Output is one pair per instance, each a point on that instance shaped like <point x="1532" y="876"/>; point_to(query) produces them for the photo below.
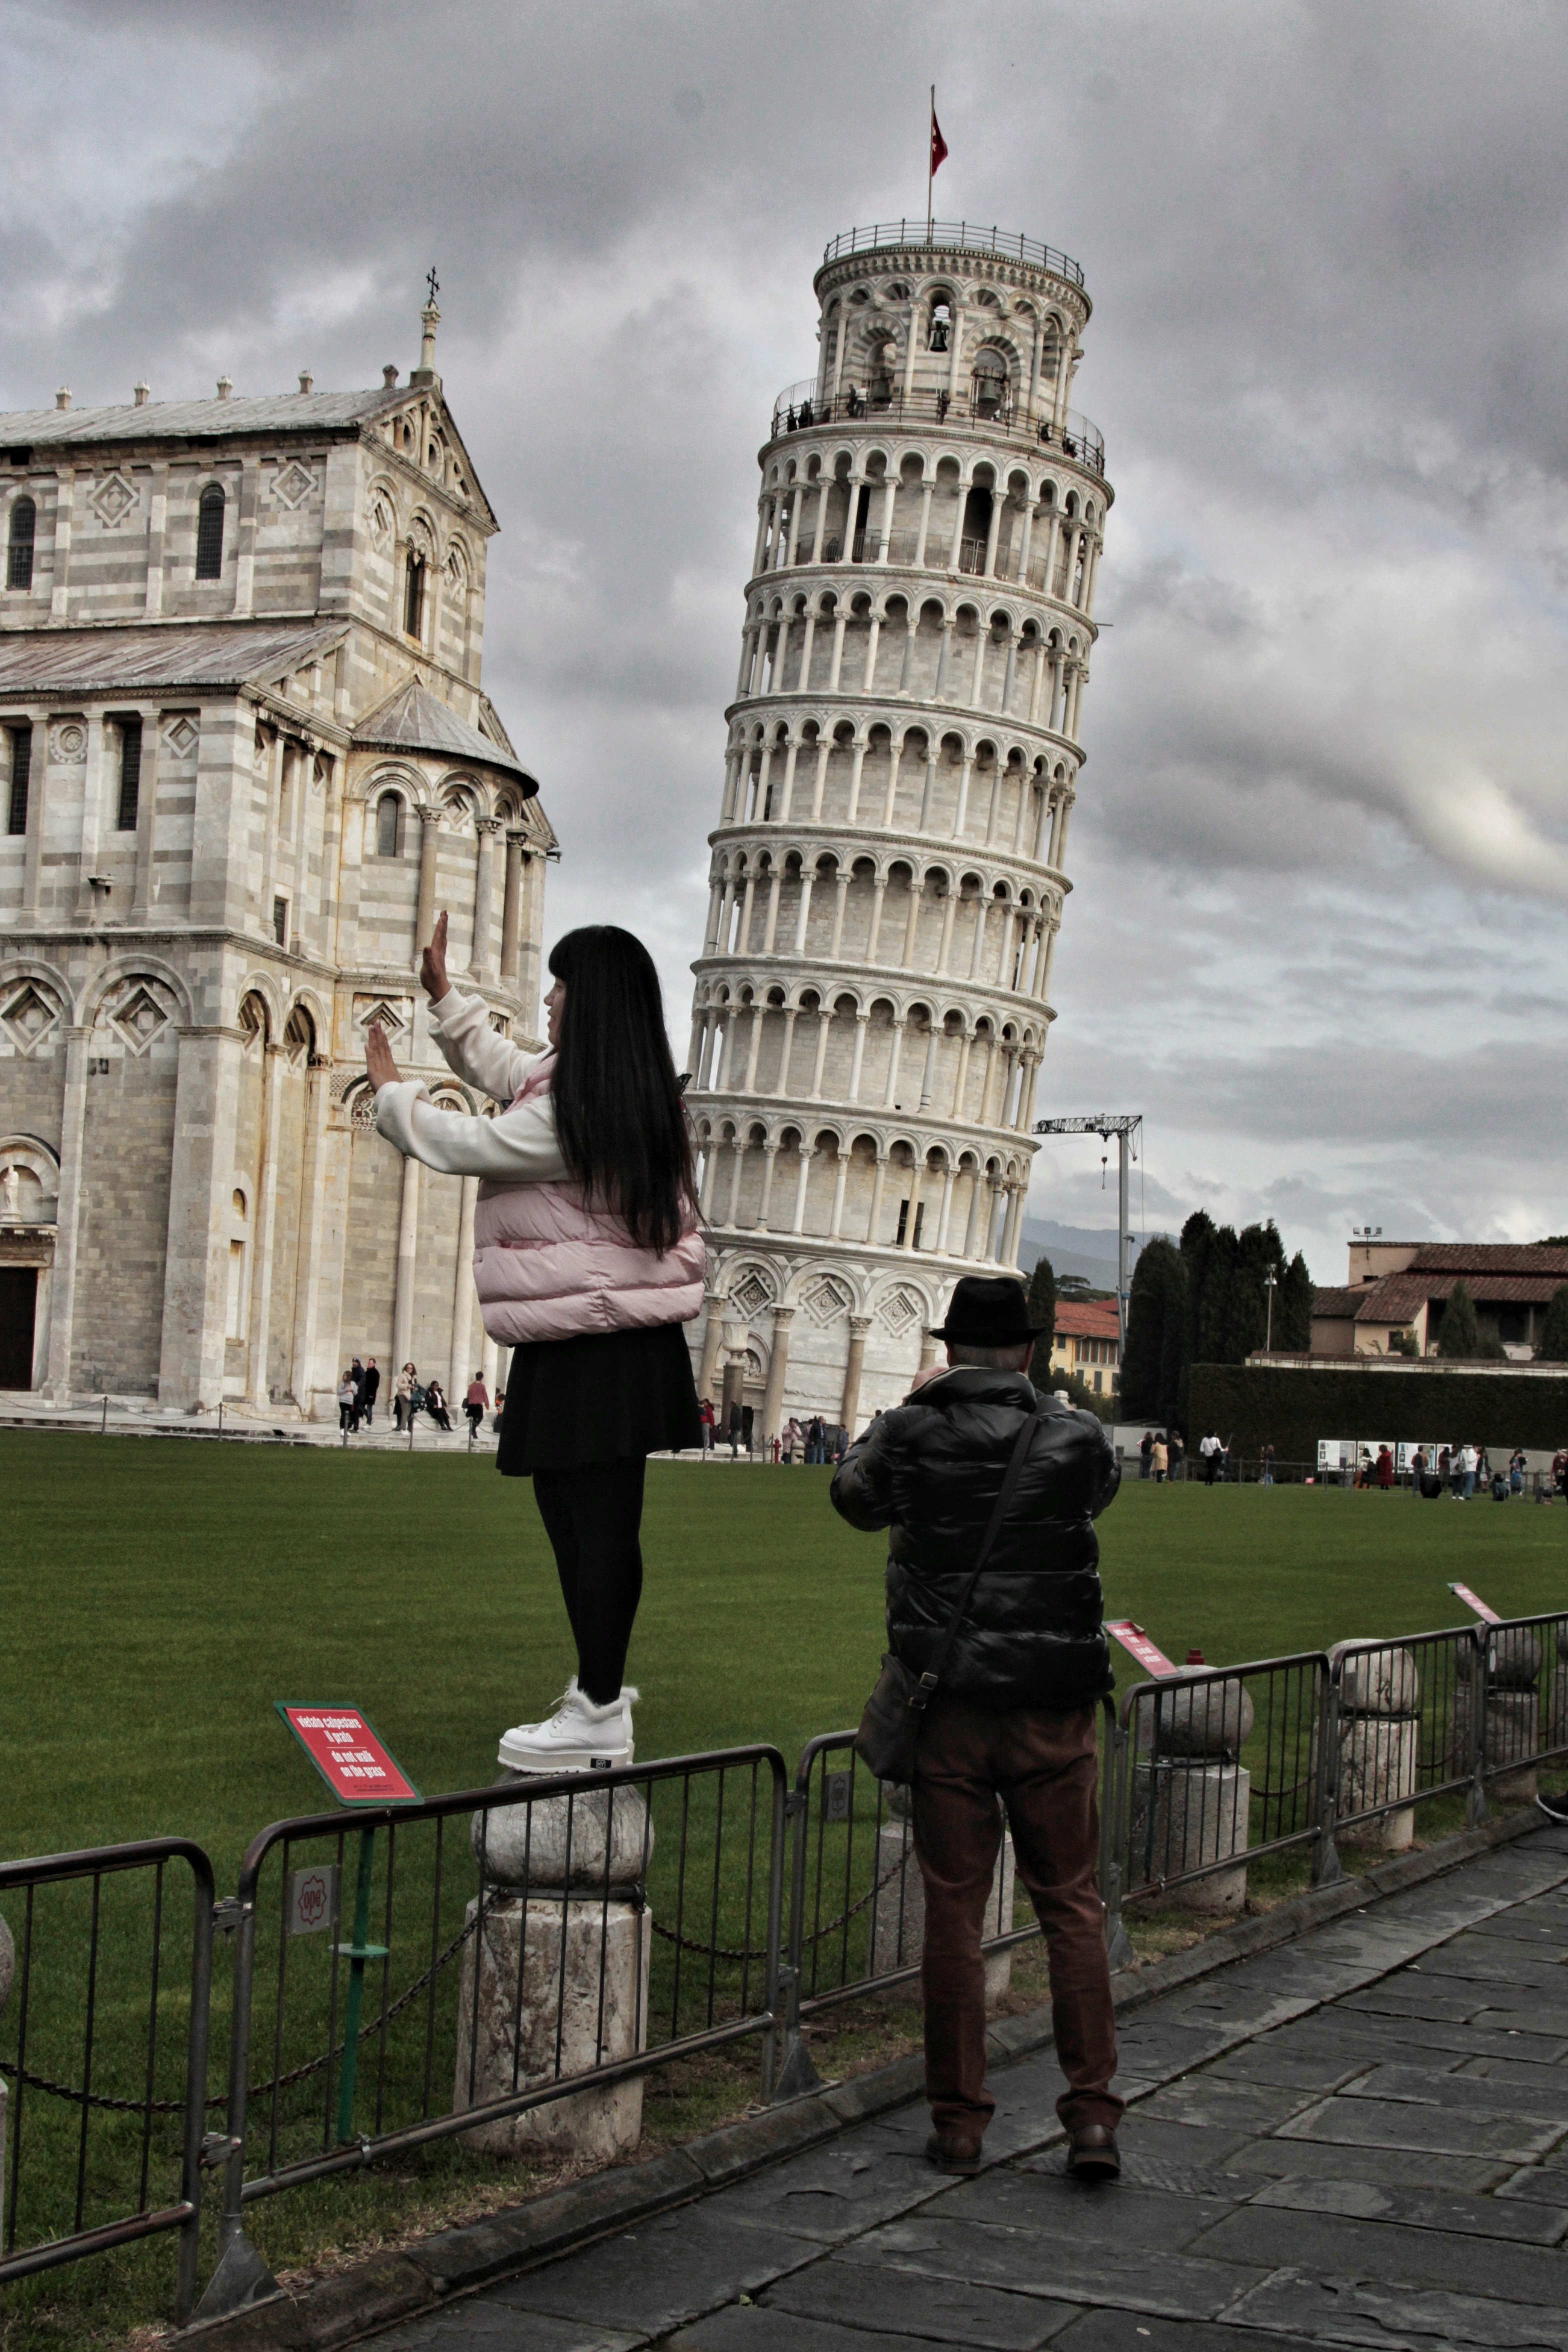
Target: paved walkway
<point x="1359" y="2138"/>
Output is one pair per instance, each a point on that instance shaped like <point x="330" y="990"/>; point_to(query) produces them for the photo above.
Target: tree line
<point x="1205" y="1300"/>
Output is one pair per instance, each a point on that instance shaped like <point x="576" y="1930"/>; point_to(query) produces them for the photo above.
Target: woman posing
<point x="586" y="1261"/>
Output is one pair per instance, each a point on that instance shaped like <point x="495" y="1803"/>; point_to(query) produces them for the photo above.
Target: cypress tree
<point x="1041" y="1296"/>
<point x="1552" y="1346"/>
<point x="1293" y="1308"/>
<point x="1458" y="1338"/>
<point x="1173" y="1355"/>
<point x="1197" y="1240"/>
<point x="1151" y="1299"/>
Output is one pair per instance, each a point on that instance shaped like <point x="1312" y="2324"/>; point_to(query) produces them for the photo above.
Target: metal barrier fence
<point x="395" y="1983"/>
<point x="91" y="1980"/>
<point x="601" y="1931"/>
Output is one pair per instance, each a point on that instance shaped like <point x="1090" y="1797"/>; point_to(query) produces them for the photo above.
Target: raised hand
<point x="383" y="1071"/>
<point x="432" y="964"/>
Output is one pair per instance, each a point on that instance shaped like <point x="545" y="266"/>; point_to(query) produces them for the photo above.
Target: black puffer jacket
<point x="931" y="1470"/>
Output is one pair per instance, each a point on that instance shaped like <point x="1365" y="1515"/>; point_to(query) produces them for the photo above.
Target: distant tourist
<point x="794" y="1440"/>
<point x="1560" y="1471"/>
<point x="1213" y="1456"/>
<point x="1177" y="1453"/>
<point x="499" y="1413"/>
<point x="475" y="1397"/>
<point x="371" y="1389"/>
<point x="1470" y="1461"/>
<point x="977" y="1457"/>
<point x="748" y="1423"/>
<point x="706" y="1416"/>
<point x="436" y="1406"/>
<point x="346" y="1400"/>
<point x="1384" y="1468"/>
<point x="1146" y="1453"/>
<point x="1156" y="1461"/>
<point x="814" y="1438"/>
<point x="1266" y="1468"/>
<point x="402" y="1396"/>
<point x="588" y="1263"/>
<point x="733" y="1431"/>
<point x="1516" y="1471"/>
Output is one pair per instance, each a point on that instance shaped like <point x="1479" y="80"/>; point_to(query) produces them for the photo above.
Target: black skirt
<point x="597" y="1398"/>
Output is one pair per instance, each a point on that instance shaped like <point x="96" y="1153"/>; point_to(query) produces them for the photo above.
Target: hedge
<point x="1293" y="1408"/>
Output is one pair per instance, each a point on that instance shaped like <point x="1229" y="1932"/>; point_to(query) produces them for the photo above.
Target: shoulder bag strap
<point x="932" y="1675"/>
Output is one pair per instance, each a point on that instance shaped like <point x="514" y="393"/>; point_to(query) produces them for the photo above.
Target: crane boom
<point x="1124" y="1126"/>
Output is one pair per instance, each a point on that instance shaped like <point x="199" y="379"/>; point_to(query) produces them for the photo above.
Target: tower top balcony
<point x="953" y="236"/>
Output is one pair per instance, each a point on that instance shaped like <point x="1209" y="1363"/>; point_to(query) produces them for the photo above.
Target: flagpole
<point x="930" y="167"/>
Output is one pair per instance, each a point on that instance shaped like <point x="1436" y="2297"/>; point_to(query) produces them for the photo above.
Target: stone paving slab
<point x="1358" y="2139"/>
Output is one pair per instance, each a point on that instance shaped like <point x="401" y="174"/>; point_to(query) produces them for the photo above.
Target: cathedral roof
<point x="413" y="719"/>
<point x="197" y="655"/>
<point x="184" y="420"/>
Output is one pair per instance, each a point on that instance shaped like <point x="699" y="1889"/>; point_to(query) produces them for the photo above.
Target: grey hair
<point x="991" y="1360"/>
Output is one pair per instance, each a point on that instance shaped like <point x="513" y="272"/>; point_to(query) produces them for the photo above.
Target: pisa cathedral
<point x="889" y="868"/>
<point x="245" y="757"/>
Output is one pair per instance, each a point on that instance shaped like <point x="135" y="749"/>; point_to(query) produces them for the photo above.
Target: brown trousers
<point x="1043" y="1769"/>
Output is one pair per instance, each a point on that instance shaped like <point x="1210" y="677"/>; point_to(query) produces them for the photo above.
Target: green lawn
<point x="157" y="1597"/>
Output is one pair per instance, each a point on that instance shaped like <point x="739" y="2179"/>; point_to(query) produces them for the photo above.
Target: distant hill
<point x="1073" y="1249"/>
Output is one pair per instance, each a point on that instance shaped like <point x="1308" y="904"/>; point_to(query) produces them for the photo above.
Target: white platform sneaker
<point x="577" y="1737"/>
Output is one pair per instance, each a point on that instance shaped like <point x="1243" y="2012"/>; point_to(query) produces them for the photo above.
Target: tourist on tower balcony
<point x="588" y="1261"/>
<point x="989" y="1492"/>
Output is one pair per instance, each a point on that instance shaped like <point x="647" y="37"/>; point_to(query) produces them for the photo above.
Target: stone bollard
<point x="1191" y="1795"/>
<point x="1379" y="1743"/>
<point x="898" y="1910"/>
<point x="555" y="1980"/>
<point x="1512" y="1727"/>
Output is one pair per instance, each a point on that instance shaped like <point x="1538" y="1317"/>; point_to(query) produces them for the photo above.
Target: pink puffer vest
<point x="547" y="1268"/>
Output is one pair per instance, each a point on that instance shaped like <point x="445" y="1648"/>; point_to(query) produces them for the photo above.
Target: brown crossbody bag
<point x="890" y="1728"/>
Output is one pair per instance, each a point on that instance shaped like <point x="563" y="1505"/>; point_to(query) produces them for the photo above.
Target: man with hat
<point x="1013" y="1715"/>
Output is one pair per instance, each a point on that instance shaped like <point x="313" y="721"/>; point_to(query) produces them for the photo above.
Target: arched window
<point x="941" y="323"/>
<point x="19" y="552"/>
<point x="413" y="595"/>
<point x="388" y="825"/>
<point x="991" y="384"/>
<point x="210" y="534"/>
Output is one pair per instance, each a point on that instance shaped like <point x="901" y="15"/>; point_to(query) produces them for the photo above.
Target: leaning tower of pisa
<point x="872" y="997"/>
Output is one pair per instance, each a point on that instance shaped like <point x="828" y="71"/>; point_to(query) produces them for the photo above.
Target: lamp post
<point x="1270" y="1282"/>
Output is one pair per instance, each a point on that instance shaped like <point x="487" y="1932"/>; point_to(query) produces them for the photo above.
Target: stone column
<point x="713" y="1334"/>
<point x="407" y="1251"/>
<point x="463" y="1297"/>
<point x="73" y="1127"/>
<point x="484" y="891"/>
<point x="425" y="914"/>
<point x="849" y="1409"/>
<point x="265" y="1228"/>
<point x="778" y="1365"/>
<point x="314" y="1210"/>
<point x="195" y="1264"/>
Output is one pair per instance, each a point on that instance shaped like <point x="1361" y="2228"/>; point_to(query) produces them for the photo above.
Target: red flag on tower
<point x="938" y="144"/>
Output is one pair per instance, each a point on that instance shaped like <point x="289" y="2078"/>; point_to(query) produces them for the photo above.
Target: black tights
<point x="591" y="1515"/>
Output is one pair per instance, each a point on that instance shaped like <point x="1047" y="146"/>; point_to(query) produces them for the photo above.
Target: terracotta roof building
<point x="1400" y="1288"/>
<point x="1088" y="1341"/>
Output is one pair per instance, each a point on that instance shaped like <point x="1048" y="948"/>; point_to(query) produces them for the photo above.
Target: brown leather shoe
<point x="954" y="2152"/>
<point x="1092" y="2154"/>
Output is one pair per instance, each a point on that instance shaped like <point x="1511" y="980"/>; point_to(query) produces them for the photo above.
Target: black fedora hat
<point x="987" y="1312"/>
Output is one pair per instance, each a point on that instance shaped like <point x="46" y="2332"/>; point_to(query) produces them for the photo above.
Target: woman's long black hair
<point x="619" y="1116"/>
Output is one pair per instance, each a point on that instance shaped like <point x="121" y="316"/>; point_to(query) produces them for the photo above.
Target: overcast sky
<point x="1321" y="844"/>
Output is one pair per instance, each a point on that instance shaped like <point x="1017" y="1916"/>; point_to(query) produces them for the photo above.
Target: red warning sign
<point x="1473" y="1600"/>
<point x="348" y="1755"/>
<point x="1137" y="1645"/>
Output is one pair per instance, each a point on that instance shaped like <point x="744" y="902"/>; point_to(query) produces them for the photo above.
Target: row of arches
<point x="894" y="1051"/>
<point x="898" y="914"/>
<point x="860" y="1187"/>
<point x="431" y="572"/>
<point x="953" y="650"/>
<point x="900" y="778"/>
<point x="895" y="334"/>
<point x="955" y="514"/>
<point x="398" y="798"/>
